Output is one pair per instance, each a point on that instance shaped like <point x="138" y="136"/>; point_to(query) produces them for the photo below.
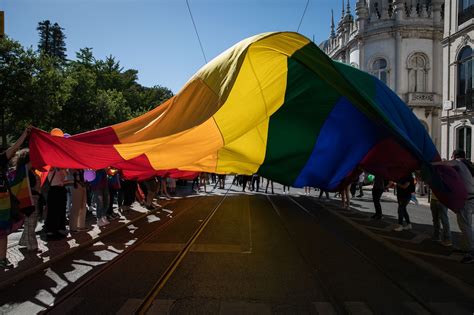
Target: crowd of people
<point x="65" y="197"/>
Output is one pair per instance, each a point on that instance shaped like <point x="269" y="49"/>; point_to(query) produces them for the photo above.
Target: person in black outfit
<point x="405" y="187"/>
<point x="245" y="180"/>
<point x="255" y="180"/>
<point x="129" y="188"/>
<point x="377" y="190"/>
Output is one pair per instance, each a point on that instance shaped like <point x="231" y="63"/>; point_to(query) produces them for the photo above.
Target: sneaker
<point x="447" y="243"/>
<point x="5" y="264"/>
<point x="467" y="259"/>
<point x="102" y="221"/>
<point x="398" y="228"/>
<point x="407" y="226"/>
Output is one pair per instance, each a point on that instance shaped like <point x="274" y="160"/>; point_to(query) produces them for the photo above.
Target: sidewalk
<point x="26" y="262"/>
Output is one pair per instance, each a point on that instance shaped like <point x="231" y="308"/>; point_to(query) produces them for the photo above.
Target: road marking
<point x="324" y="308"/>
<point x="357" y="308"/>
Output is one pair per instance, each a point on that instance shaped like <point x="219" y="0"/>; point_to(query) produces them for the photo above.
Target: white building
<point x="399" y="41"/>
<point x="458" y="42"/>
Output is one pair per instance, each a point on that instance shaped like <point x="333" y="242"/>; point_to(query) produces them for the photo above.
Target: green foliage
<point x="16" y="81"/>
<point x="78" y="95"/>
<point x="52" y="41"/>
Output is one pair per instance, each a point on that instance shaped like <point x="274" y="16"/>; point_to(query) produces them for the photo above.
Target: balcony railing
<point x="465" y="15"/>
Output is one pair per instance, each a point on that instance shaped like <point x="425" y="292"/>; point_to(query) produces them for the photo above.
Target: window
<point x="417" y="72"/>
<point x="380" y="70"/>
<point x="466" y="11"/>
<point x="463" y="140"/>
<point x="465" y="84"/>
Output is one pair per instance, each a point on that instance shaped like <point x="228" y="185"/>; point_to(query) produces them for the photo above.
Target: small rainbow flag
<point x="20" y="187"/>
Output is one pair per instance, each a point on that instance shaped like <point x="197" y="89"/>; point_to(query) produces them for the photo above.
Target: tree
<point x="52" y="40"/>
<point x="40" y="88"/>
<point x="46" y="41"/>
<point x="16" y="71"/>
<point x="85" y="57"/>
<point x="50" y="92"/>
<point x="58" y="48"/>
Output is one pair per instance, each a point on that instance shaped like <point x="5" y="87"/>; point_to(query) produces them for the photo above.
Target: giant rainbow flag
<point x="273" y="104"/>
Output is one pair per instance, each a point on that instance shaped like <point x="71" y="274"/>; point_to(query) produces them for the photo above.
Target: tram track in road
<point x="148" y="300"/>
<point x="432" y="290"/>
<point x="122" y="256"/>
<point x="153" y="293"/>
<point x="331" y="296"/>
<point x="340" y="307"/>
<point x="410" y="255"/>
<point x="91" y="278"/>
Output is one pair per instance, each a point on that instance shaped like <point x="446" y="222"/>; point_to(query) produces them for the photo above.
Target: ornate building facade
<point x="457" y="118"/>
<point x="398" y="41"/>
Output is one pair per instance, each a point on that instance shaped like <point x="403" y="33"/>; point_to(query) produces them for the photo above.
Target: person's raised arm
<point x="11" y="150"/>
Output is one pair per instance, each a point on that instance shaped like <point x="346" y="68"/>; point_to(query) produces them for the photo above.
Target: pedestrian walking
<point x="464" y="216"/>
<point x="255" y="182"/>
<point x="405" y="187"/>
<point x="77" y="215"/>
<point x="100" y="192"/>
<point x="269" y="182"/>
<point x="55" y="223"/>
<point x="378" y="189"/>
<point x="28" y="236"/>
<point x="439" y="213"/>
<point x="321" y="192"/>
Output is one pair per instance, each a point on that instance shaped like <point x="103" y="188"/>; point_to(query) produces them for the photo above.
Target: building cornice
<point x="405" y="31"/>
<point x="457" y="34"/>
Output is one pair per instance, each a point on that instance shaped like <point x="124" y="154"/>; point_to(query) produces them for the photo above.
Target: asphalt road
<point x="259" y="254"/>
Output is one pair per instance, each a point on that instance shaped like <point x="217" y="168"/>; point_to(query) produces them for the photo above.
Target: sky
<point x="157" y="37"/>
